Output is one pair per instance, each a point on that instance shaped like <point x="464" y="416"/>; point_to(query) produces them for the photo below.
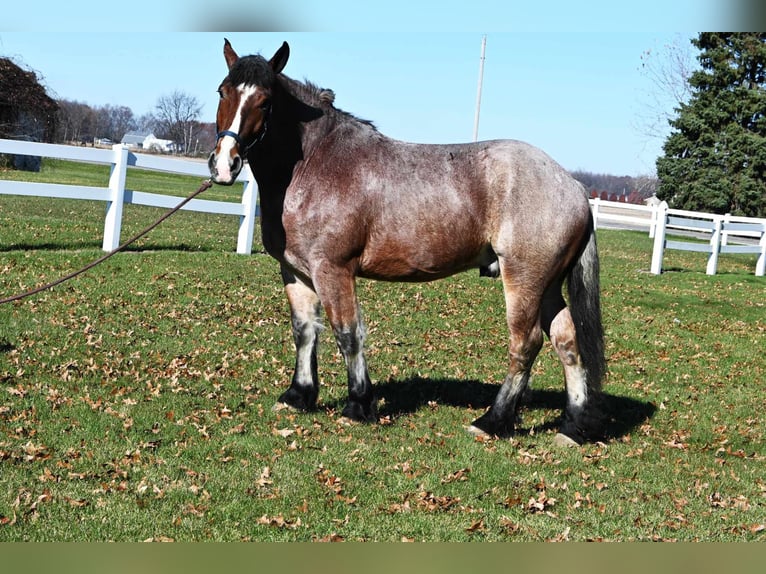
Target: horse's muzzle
<point x="224" y="170"/>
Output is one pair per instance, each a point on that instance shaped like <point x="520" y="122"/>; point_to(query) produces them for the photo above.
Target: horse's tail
<point x="585" y="307"/>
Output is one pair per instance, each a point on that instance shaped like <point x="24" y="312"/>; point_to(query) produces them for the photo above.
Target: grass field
<point x="135" y="401"/>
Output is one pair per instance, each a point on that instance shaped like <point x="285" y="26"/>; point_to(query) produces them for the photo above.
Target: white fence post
<point x="653" y="220"/>
<point x="113" y="221"/>
<point x="247" y="221"/>
<point x="725" y="235"/>
<point x="594" y="210"/>
<point x="715" y="246"/>
<point x="659" y="238"/>
<point x="760" y="266"/>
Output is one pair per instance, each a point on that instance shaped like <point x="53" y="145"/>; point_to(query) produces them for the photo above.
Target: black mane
<point x="252" y="70"/>
<point x="322" y="98"/>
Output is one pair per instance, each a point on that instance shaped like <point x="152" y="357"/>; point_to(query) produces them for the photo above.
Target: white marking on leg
<point x="305" y="351"/>
<point x="356" y="361"/>
<point x="577" y="387"/>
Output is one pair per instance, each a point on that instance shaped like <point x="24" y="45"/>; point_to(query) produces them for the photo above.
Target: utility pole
<point x="478" y="92"/>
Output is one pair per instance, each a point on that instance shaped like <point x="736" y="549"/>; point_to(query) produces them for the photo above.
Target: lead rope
<point x="205" y="185"/>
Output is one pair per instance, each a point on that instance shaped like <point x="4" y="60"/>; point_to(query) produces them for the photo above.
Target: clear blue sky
<point x="553" y="75"/>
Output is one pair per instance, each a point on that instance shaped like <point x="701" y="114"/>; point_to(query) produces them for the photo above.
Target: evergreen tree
<point x="715" y="157"/>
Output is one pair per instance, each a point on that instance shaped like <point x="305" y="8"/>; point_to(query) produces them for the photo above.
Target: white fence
<point x="722" y="233"/>
<point x="116" y="196"/>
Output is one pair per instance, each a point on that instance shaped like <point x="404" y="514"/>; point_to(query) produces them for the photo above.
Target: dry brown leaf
<point x="457" y="476"/>
<point x="477" y="526"/>
<point x="279" y="521"/>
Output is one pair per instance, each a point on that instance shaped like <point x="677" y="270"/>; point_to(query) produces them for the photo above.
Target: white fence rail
<point x="116" y="196"/>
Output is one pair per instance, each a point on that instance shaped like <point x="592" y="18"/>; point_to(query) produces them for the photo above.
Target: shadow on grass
<point x="619" y="415"/>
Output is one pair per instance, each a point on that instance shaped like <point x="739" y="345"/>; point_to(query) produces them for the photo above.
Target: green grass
<point x="135" y="401"/>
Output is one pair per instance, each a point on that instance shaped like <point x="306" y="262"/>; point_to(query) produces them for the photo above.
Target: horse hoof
<point x="563" y="441"/>
<point x="296" y="400"/>
<point x="358" y="413"/>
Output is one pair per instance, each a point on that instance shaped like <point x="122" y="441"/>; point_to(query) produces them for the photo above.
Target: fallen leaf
<point x="279" y="522"/>
<point x="509" y="525"/>
<point x="265" y="479"/>
<point x="160" y="539"/>
<point x="76" y="503"/>
<point x="330" y="538"/>
<point x="540" y="504"/>
<point x="431" y="503"/>
<point x="457" y="476"/>
<point x="477" y="526"/>
<point x="563" y="537"/>
<point x="511" y="501"/>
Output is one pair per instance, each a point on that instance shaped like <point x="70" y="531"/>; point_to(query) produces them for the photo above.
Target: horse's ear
<point x="279" y="60"/>
<point x="229" y="53"/>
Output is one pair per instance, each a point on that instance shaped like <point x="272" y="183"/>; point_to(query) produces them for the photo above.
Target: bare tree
<point x="177" y="117"/>
<point x="75" y="121"/>
<point x="113" y="122"/>
<point x="147" y="123"/>
<point x="668" y="70"/>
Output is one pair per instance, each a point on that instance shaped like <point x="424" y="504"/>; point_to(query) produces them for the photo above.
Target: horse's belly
<point x="399" y="263"/>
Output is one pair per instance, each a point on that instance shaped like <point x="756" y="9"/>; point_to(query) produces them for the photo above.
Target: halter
<point x="258" y="137"/>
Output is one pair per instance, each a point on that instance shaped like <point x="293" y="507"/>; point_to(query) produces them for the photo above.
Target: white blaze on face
<point x="227" y="143"/>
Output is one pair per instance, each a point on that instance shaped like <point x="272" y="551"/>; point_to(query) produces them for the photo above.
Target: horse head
<point x="243" y="109"/>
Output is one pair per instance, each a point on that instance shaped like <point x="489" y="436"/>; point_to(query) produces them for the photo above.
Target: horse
<point x="340" y="200"/>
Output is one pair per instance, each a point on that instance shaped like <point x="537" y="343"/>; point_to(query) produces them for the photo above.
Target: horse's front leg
<point x="337" y="290"/>
<point x="304" y="311"/>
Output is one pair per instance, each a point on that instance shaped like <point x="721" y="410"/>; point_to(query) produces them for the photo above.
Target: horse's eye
<point x="220" y="93"/>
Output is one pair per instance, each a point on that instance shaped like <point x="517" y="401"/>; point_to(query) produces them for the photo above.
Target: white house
<point x="147" y="141"/>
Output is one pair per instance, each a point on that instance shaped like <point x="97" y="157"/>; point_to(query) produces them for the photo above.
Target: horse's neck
<point x="275" y="164"/>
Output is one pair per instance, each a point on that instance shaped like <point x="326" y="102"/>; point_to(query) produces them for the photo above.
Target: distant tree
<point x="26" y="109"/>
<point x="177" y="118"/>
<point x="76" y="122"/>
<point x="715" y="157"/>
<point x="644" y="186"/>
<point x="207" y="138"/>
<point x="147" y="123"/>
<point x="113" y="122"/>
<point x="635" y="188"/>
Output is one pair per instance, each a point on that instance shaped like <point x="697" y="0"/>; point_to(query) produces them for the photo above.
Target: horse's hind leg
<point x="525" y="340"/>
<point x="578" y="423"/>
<point x="304" y="311"/>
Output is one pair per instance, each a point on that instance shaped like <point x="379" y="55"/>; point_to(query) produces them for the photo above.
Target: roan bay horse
<point x="339" y="200"/>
